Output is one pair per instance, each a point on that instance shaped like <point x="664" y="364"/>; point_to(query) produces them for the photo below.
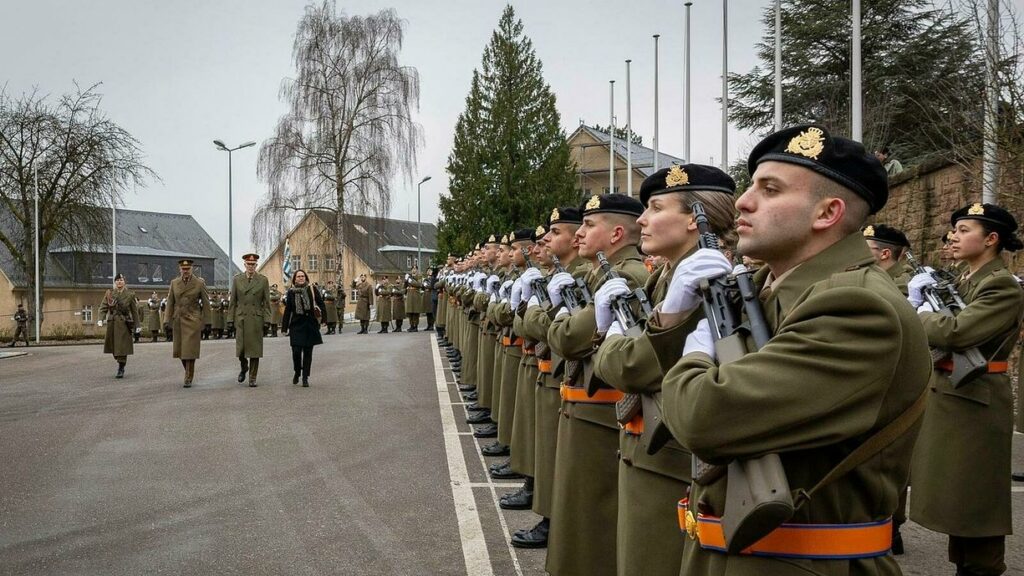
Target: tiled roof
<point x="366" y="235"/>
<point x="643" y="157"/>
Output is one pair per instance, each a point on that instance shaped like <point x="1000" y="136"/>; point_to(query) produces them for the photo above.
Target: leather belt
<point x="544" y="366"/>
<point x="529" y="351"/>
<point x="579" y="395"/>
<point x="510" y="341"/>
<point x="993" y="367"/>
<point x="809" y="541"/>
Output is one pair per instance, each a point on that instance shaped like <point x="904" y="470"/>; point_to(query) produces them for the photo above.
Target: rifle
<point x="758" y="497"/>
<point x="573" y="300"/>
<point x="621" y="305"/>
<point x="945" y="299"/>
<point x="540" y="285"/>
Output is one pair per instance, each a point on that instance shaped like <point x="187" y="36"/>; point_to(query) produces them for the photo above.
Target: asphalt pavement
<point x="371" y="470"/>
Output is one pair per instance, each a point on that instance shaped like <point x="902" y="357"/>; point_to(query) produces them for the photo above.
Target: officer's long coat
<point x="153" y="316"/>
<point x="364" y="298"/>
<point x="847" y="356"/>
<point x="961" y="468"/>
<point x="585" y="498"/>
<point x="249" y="309"/>
<point x="119" y="309"/>
<point x="184" y="300"/>
<point x="330" y="308"/>
<point x="384" y="303"/>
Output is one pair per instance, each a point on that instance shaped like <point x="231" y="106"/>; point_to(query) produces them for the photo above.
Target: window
<point x="158" y="273"/>
<point x="296" y="263"/>
<point x="87" y="315"/>
<point x="604" y="190"/>
<point x="408" y="261"/>
<point x="313" y="261"/>
<point x="329" y="263"/>
<point x="197" y="271"/>
<point x="142" y="269"/>
<point x="101" y="270"/>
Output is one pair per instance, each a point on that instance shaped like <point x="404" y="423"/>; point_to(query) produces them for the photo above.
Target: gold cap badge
<point x="539" y="231"/>
<point x="809" y="143"/>
<point x="594" y="203"/>
<point x="869" y="232"/>
<point x="504" y="239"/>
<point x="976" y="210"/>
<point x="554" y="214"/>
<point x="676" y="177"/>
<point x="492" y="239"/>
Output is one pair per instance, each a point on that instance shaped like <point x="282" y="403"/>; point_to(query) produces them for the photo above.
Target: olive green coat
<point x="383" y="292"/>
<point x="249" y="309"/>
<point x="901" y="274"/>
<point x="121" y="316"/>
<point x="848" y="355"/>
<point x="470" y="337"/>
<point x="507" y="372"/>
<point x="441" y="314"/>
<point x="276" y="310"/>
<point x="961" y="466"/>
<point x="364" y="298"/>
<point x="330" y="306"/>
<point x="582" y="539"/>
<point x="153" y="323"/>
<point x="413" y="294"/>
<point x="184" y="303"/>
<point x="649" y="485"/>
<point x="217" y="307"/>
<point x="485" y="352"/>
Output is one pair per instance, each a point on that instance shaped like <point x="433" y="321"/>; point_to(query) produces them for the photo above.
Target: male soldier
<point x="650" y="484"/>
<point x="484" y="282"/>
<point x="21" y="318"/>
<point x="397" y="304"/>
<point x="330" y="305"/>
<point x="249" y="310"/>
<point x="413" y="298"/>
<point x="442" y="288"/>
<point x="557" y="240"/>
<point x="429" y="297"/>
<point x="217" y="306"/>
<point x="843" y="366"/>
<point x="887" y="245"/>
<point x="339" y="307"/>
<point x="168" y="335"/>
<point x="498" y="346"/>
<point x="364" y="299"/>
<point x="208" y="319"/>
<point x="185" y="300"/>
<point x="275" y="310"/>
<point x="582" y="539"/>
<point x="383" y="292"/>
<point x="153" y="316"/>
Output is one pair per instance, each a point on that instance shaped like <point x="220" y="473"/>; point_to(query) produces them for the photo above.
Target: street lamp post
<point x="35" y="173"/>
<point x="419" y="235"/>
<point x="220" y="146"/>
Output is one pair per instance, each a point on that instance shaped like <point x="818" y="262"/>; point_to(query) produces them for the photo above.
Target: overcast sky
<point x="180" y="74"/>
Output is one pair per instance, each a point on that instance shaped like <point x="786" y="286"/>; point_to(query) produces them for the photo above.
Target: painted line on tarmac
<point x="474" y="546"/>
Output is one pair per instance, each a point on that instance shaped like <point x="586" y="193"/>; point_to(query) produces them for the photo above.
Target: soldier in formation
<point x="121" y="315"/>
<point x="186" y="299"/>
<point x="153" y="316"/>
<point x="275" y="311"/>
<point x="364" y="299"/>
<point x="218" y="307"/>
<point x="383" y="293"/>
<point x="640" y="409"/>
<point x="397" y="303"/>
<point x="330" y="307"/>
<point x="414" y="292"/>
<point x="249" y="311"/>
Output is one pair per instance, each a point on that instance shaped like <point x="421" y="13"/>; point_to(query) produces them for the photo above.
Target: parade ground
<point x="371" y="471"/>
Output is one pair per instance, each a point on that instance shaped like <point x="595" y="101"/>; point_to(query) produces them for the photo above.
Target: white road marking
<point x="474" y="547"/>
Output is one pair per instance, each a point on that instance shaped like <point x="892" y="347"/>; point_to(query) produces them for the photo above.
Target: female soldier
<point x="648" y="541"/>
<point x="302" y="312"/>
<point x="122" y="316"/>
<point x="966" y="435"/>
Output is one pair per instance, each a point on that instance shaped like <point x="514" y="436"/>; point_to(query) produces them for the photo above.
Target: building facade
<point x="588" y="148"/>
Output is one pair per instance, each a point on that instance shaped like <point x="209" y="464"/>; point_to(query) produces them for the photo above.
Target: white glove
<point x="492" y="281"/>
<point x="701" y="340"/>
<point x="603" y="302"/>
<point x="614" y="329"/>
<point x="555" y="285"/>
<point x="517" y="293"/>
<point x="534" y="301"/>
<point x="684" y="290"/>
<point x="916" y="287"/>
<point x="926" y="307"/>
<point x="527" y="280"/>
<point x="504" y="290"/>
<point x="493" y="298"/>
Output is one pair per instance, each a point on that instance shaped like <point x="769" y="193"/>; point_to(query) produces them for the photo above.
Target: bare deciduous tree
<point x="83" y="159"/>
<point x="349" y="129"/>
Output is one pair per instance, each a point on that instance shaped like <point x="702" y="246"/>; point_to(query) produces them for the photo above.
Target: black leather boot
<point x="244" y="369"/>
<point x="120" y="370"/>
<point x="536" y="537"/>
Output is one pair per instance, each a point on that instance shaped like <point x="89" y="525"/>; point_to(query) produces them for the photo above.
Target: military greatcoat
<point x="847" y="356"/>
<point x="153" y="323"/>
<point x="122" y="317"/>
<point x="961" y="468"/>
<point x="397" y="302"/>
<point x="330" y="309"/>
<point x="249" y="309"/>
<point x="364" y="298"/>
<point x="384" y="302"/>
<point x="583" y="519"/>
<point x="184" y="312"/>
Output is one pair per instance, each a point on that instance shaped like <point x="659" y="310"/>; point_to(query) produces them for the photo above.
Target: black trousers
<point x="302" y="359"/>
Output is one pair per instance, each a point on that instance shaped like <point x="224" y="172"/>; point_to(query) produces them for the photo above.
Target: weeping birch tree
<point x="348" y="132"/>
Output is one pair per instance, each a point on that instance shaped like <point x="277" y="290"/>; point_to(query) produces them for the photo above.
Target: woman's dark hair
<point x="118" y="277"/>
<point x="1007" y="240"/>
<point x="294" y="274"/>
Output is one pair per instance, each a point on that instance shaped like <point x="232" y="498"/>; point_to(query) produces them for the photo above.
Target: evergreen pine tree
<point x="510" y="164"/>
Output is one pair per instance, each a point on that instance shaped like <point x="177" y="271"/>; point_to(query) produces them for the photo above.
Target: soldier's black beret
<point x="839" y="159"/>
<point x="886" y="234"/>
<point x="565" y="215"/>
<point x="539" y="232"/>
<point x="612" y="204"/>
<point x="944" y="239"/>
<point x="492" y="239"/>
<point x="996" y="217"/>
<point x="119" y="276"/>
<point x="521" y="235"/>
<point x="695" y="177"/>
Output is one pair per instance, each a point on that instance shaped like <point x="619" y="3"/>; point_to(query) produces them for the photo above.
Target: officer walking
<point x="21" y="331"/>
<point x="249" y="310"/>
<point x="121" y="317"/>
<point x="185" y="300"/>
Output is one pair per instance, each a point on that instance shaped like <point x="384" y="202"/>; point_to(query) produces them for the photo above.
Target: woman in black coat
<point x="303" y="308"/>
